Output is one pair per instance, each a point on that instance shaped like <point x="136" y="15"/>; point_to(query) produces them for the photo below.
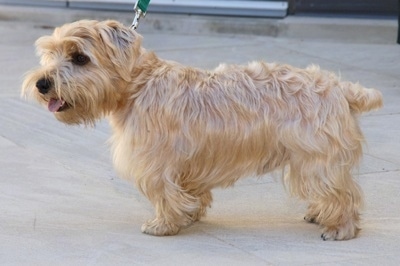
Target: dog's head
<point x="83" y="66"/>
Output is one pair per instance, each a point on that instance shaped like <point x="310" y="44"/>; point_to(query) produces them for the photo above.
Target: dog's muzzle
<point x="54" y="105"/>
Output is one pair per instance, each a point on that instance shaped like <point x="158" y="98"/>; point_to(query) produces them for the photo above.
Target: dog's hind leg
<point x="338" y="207"/>
<point x="335" y="198"/>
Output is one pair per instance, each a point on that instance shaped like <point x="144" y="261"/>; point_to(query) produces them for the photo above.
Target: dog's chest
<point x="123" y="149"/>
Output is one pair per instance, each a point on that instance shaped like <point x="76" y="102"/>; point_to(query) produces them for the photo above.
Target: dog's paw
<point x="329" y="235"/>
<point x="160" y="227"/>
<point x="345" y="232"/>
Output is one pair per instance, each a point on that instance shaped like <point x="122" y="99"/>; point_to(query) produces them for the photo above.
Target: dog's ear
<point x="120" y="44"/>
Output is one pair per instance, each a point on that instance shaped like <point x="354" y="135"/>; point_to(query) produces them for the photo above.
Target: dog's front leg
<point x="174" y="207"/>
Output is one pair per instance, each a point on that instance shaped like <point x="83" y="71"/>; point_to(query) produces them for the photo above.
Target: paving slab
<point x="61" y="202"/>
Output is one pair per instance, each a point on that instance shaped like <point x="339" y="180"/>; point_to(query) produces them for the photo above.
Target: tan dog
<point x="179" y="132"/>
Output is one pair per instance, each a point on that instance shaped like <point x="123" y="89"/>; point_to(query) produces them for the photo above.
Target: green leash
<point x="140" y="9"/>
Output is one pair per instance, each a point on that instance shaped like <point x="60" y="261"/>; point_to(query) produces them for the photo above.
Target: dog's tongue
<point x="54" y="105"/>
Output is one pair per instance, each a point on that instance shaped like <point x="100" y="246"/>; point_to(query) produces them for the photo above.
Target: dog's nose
<point x="43" y="85"/>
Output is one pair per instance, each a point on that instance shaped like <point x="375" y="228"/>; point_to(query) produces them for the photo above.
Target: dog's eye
<point x="80" y="59"/>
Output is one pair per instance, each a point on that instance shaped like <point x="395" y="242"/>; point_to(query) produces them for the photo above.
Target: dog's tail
<point x="361" y="99"/>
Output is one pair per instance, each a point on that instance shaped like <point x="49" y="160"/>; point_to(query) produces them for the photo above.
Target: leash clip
<point x="138" y="14"/>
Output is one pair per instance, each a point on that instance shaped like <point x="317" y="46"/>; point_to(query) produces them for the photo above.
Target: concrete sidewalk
<point x="61" y="202"/>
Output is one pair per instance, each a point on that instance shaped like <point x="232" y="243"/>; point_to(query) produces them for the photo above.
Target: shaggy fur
<point x="179" y="131"/>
